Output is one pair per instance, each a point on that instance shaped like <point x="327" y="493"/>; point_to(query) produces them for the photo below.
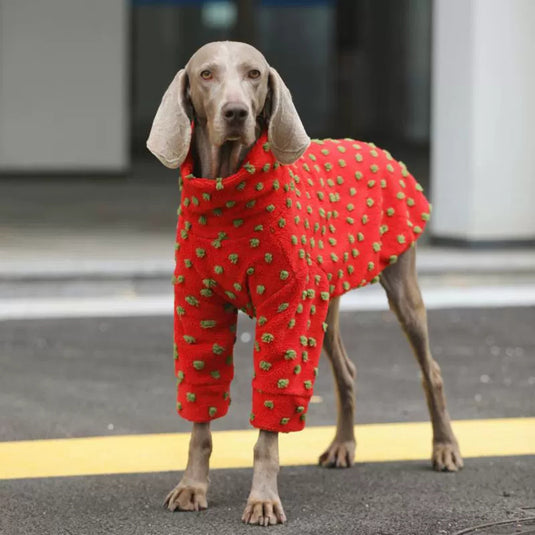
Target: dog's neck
<point x="211" y="161"/>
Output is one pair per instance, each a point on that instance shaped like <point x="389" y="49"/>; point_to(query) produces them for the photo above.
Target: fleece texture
<point x="278" y="242"/>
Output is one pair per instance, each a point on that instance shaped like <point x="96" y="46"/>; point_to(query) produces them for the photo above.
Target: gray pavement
<point x="370" y="499"/>
<point x="105" y="376"/>
<point x="78" y="377"/>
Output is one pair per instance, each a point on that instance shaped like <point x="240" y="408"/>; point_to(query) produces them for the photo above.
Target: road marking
<point x="234" y="449"/>
<point x="369" y="298"/>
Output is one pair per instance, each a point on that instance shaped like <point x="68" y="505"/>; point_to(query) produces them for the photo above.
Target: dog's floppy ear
<point x="170" y="135"/>
<point x="286" y="133"/>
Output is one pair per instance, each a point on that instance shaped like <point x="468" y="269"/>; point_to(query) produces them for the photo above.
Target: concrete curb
<point x="431" y="261"/>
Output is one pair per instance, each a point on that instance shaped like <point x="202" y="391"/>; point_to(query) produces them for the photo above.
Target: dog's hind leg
<point x="190" y="493"/>
<point x="401" y="285"/>
<point x="341" y="451"/>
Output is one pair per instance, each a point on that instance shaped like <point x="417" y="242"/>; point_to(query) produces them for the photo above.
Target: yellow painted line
<point x="234" y="449"/>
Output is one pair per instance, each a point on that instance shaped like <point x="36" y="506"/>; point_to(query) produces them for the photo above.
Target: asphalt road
<point x="86" y="377"/>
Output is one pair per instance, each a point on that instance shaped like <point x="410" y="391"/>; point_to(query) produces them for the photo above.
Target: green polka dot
<point x="283" y="383"/>
<point x="400" y="195"/>
<point x="217" y="349"/>
<point x="254" y="242"/>
<point x="191" y="397"/>
<point x="284" y="421"/>
<point x="208" y="324"/>
<point x="401" y="238"/>
<point x="191" y="300"/>
<point x="290" y="354"/>
<point x="215" y="374"/>
<point x="212" y="411"/>
<point x="308" y="385"/>
<point x="282" y="307"/>
<point x="264" y="365"/>
<point x="198" y="364"/>
<point x="268" y="404"/>
<point x="267" y="338"/>
<point x="284" y="275"/>
<point x="237" y="222"/>
<point x="260" y="289"/>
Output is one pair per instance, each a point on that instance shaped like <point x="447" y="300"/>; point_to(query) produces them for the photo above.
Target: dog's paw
<point x="264" y="512"/>
<point x="186" y="497"/>
<point x="338" y="455"/>
<point x="447" y="457"/>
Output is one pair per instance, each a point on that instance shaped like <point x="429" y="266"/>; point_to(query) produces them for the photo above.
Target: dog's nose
<point x="234" y="113"/>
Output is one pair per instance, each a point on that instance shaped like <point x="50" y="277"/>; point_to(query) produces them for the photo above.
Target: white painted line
<point x="374" y="298"/>
<point x="112" y="306"/>
<point x="369" y="298"/>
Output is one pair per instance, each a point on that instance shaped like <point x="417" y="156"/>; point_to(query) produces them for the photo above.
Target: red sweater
<point x="278" y="242"/>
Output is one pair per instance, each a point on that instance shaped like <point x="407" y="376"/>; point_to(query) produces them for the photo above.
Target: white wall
<point x="483" y="119"/>
<point x="64" y="85"/>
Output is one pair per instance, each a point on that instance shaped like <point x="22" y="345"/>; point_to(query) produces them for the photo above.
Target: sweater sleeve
<point x="289" y="335"/>
<point x="205" y="332"/>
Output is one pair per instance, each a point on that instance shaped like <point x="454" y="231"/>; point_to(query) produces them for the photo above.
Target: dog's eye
<point x="254" y="74"/>
<point x="206" y="75"/>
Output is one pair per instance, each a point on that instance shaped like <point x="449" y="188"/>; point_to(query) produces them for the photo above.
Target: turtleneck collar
<point x="215" y="201"/>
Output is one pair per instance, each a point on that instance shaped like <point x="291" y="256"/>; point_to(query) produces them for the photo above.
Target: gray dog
<point x="235" y="101"/>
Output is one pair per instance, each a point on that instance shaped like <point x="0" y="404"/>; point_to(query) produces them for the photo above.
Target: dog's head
<point x="231" y="88"/>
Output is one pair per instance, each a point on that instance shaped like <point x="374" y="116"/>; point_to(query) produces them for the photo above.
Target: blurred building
<point x="80" y="82"/>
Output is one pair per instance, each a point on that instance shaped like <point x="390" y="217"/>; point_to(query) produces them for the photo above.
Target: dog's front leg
<point x="264" y="506"/>
<point x="190" y="493"/>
